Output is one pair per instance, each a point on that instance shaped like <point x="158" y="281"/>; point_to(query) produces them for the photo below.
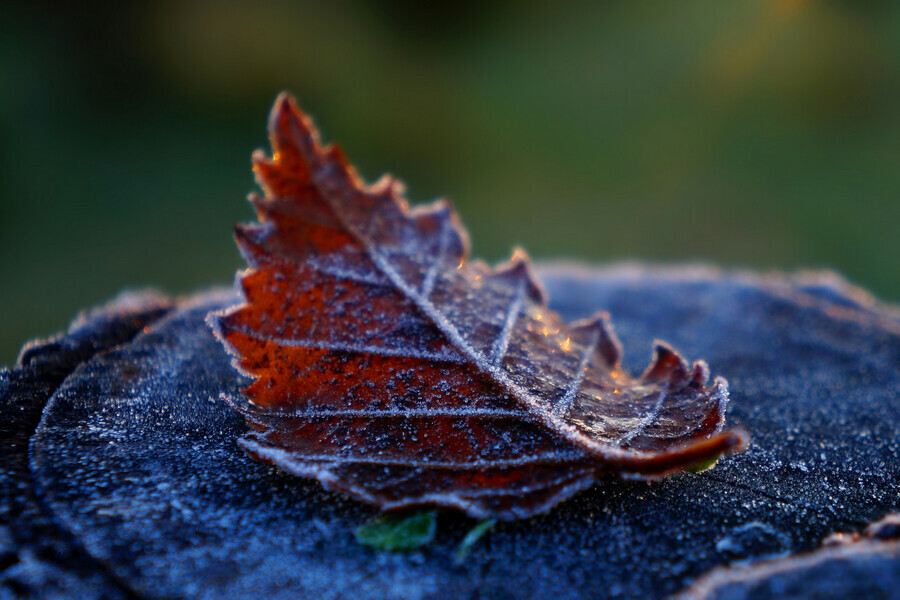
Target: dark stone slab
<point x="36" y="557"/>
<point x="136" y="458"/>
<point x="853" y="568"/>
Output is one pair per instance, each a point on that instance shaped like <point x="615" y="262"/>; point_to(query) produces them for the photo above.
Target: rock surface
<point x="844" y="568"/>
<point x="134" y="478"/>
<point x="37" y="558"/>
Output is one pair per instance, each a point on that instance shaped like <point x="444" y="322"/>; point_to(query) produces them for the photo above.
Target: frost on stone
<point x="391" y="367"/>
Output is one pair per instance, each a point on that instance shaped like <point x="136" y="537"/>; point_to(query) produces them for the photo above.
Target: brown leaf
<point x="391" y="367"/>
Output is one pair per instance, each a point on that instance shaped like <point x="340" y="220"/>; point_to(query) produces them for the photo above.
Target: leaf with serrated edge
<point x="389" y="366"/>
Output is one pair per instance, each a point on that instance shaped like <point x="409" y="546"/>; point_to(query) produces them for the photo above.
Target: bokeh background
<point x="761" y="133"/>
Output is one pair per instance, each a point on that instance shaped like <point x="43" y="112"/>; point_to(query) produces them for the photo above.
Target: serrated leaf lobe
<point x="389" y="366"/>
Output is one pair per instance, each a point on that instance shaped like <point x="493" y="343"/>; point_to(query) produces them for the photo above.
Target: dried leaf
<point x="391" y="367"/>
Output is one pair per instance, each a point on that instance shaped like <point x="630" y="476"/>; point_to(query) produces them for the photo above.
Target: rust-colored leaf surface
<point x="391" y="367"/>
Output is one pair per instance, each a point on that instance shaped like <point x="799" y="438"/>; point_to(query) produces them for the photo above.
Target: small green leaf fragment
<point x="702" y="466"/>
<point x="473" y="536"/>
<point x="398" y="531"/>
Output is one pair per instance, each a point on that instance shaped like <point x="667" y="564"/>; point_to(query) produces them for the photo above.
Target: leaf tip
<point x="292" y="133"/>
<point x="284" y="108"/>
<point x="518" y="270"/>
<point x="700" y="374"/>
<point x="667" y="365"/>
<point x="608" y="345"/>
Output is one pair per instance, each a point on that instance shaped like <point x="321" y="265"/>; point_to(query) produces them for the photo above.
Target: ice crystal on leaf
<point x="392" y="367"/>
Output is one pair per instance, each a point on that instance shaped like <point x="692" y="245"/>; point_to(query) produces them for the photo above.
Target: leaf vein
<point x="353" y="348"/>
<point x="501" y="344"/>
<point x="546" y="458"/>
<point x="411" y="413"/>
<point x="431" y="274"/>
<point x="562" y="408"/>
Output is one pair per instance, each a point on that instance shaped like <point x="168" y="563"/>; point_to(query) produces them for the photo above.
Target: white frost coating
<point x="270" y="453"/>
<point x="330" y="179"/>
<point x="411" y="413"/>
<point x="533" y="403"/>
<point x="562" y="408"/>
<point x="321" y="173"/>
<point x="720" y="395"/>
<point x="338" y="272"/>
<point x="353" y="348"/>
<point x="464" y="501"/>
<point x="435" y="266"/>
<point x="469" y="504"/>
<point x="649" y="418"/>
<point x="501" y="344"/>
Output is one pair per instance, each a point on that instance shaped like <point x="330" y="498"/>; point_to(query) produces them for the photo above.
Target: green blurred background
<point x="742" y="132"/>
